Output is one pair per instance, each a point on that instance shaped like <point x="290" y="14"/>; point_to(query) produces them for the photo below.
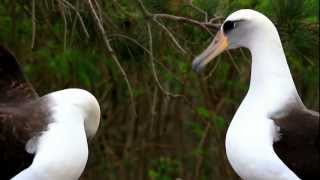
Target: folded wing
<point x="299" y="145"/>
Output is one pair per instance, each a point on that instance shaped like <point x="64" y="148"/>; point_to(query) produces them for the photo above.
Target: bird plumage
<point x="272" y="135"/>
<point x="16" y="96"/>
<point x="53" y="127"/>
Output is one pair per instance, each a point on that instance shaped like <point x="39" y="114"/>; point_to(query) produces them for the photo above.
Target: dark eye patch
<point x="228" y="26"/>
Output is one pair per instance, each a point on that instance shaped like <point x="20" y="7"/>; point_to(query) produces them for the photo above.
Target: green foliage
<point x="203" y="112"/>
<point x="165" y="169"/>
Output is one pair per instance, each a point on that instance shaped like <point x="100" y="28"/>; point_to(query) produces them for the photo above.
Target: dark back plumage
<point x="299" y="146"/>
<point x="22" y="115"/>
<point x="14" y="88"/>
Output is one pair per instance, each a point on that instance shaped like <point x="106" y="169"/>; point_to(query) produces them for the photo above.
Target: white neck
<point x="251" y="133"/>
<point x="271" y="80"/>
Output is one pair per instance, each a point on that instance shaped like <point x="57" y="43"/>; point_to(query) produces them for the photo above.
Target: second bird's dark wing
<point x="299" y="145"/>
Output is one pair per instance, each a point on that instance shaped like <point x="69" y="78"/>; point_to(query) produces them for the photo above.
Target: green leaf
<point x="203" y="112"/>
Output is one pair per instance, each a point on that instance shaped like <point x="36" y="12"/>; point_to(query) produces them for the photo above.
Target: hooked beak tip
<point x="197" y="66"/>
<point x="217" y="46"/>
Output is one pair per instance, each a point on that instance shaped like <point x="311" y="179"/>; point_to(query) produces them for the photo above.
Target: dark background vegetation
<point x="160" y="120"/>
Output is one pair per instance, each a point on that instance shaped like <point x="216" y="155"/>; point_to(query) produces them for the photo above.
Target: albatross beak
<point x="217" y="46"/>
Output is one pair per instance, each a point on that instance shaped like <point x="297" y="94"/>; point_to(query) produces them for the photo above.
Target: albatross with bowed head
<point x="272" y="135"/>
<point x="54" y="127"/>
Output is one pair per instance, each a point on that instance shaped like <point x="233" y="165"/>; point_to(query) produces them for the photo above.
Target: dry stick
<point x="204" y="25"/>
<point x="149" y="53"/>
<point x="199" y="10"/>
<point x="79" y="16"/>
<point x="153" y="110"/>
<point x="200" y="145"/>
<point x="213" y="69"/>
<point x="123" y="73"/>
<point x="174" y="40"/>
<point x="156" y="61"/>
<point x="214" y="19"/>
<point x="134" y="41"/>
<point x="99" y="11"/>
<point x="233" y="62"/>
<point x="244" y="55"/>
<point x="46" y="4"/>
<point x="154" y="18"/>
<point x="154" y="67"/>
<point x="65" y="25"/>
<point x="33" y="24"/>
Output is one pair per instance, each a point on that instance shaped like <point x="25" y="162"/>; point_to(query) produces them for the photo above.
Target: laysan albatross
<point x="54" y="128"/>
<point x="272" y="136"/>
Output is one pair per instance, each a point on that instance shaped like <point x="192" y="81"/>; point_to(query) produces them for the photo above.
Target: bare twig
<point x="155" y="18"/>
<point x="99" y="12"/>
<point x="213" y="69"/>
<point x="154" y="68"/>
<point x="33" y="23"/>
<point x="199" y="10"/>
<point x="62" y="11"/>
<point x="216" y="19"/>
<point x="79" y="16"/>
<point x="200" y="146"/>
<point x="244" y="55"/>
<point x="122" y="71"/>
<point x="204" y="25"/>
<point x="170" y="35"/>
<point x="233" y="62"/>
<point x="209" y="27"/>
<point x="153" y="110"/>
<point x="134" y="41"/>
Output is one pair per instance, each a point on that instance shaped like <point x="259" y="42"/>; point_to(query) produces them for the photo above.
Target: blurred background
<point x="160" y="120"/>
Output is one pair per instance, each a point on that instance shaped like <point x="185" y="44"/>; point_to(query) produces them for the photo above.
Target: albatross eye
<point x="228" y="26"/>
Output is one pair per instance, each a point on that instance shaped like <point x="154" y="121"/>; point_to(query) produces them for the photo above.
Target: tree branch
<point x="33" y="24"/>
<point x="122" y="71"/>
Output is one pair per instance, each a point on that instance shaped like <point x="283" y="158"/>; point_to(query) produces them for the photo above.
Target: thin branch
<point x="153" y="110"/>
<point x="134" y="41"/>
<point x="33" y="24"/>
<point x="215" y="19"/>
<point x="213" y="69"/>
<point x="144" y="10"/>
<point x="99" y="12"/>
<point x="233" y="62"/>
<point x="200" y="146"/>
<point x="154" y="67"/>
<point x="204" y="25"/>
<point x="122" y="71"/>
<point x="174" y="40"/>
<point x="244" y="55"/>
<point x="79" y="16"/>
<point x="62" y="11"/>
<point x="199" y="10"/>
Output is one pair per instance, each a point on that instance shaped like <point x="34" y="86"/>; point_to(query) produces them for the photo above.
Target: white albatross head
<point x="61" y="151"/>
<point x="85" y="102"/>
<point x="243" y="28"/>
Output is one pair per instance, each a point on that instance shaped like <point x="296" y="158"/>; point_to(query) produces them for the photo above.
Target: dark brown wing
<point x="21" y="116"/>
<point x="299" y="146"/>
<point x="13" y="85"/>
<point x="18" y="124"/>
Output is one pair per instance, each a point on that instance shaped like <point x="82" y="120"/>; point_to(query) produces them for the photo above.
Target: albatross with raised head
<point x="273" y="135"/>
<point x="54" y="127"/>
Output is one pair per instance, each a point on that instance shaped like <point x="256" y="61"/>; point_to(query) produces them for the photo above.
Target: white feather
<point x="251" y="134"/>
<point x="62" y="150"/>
